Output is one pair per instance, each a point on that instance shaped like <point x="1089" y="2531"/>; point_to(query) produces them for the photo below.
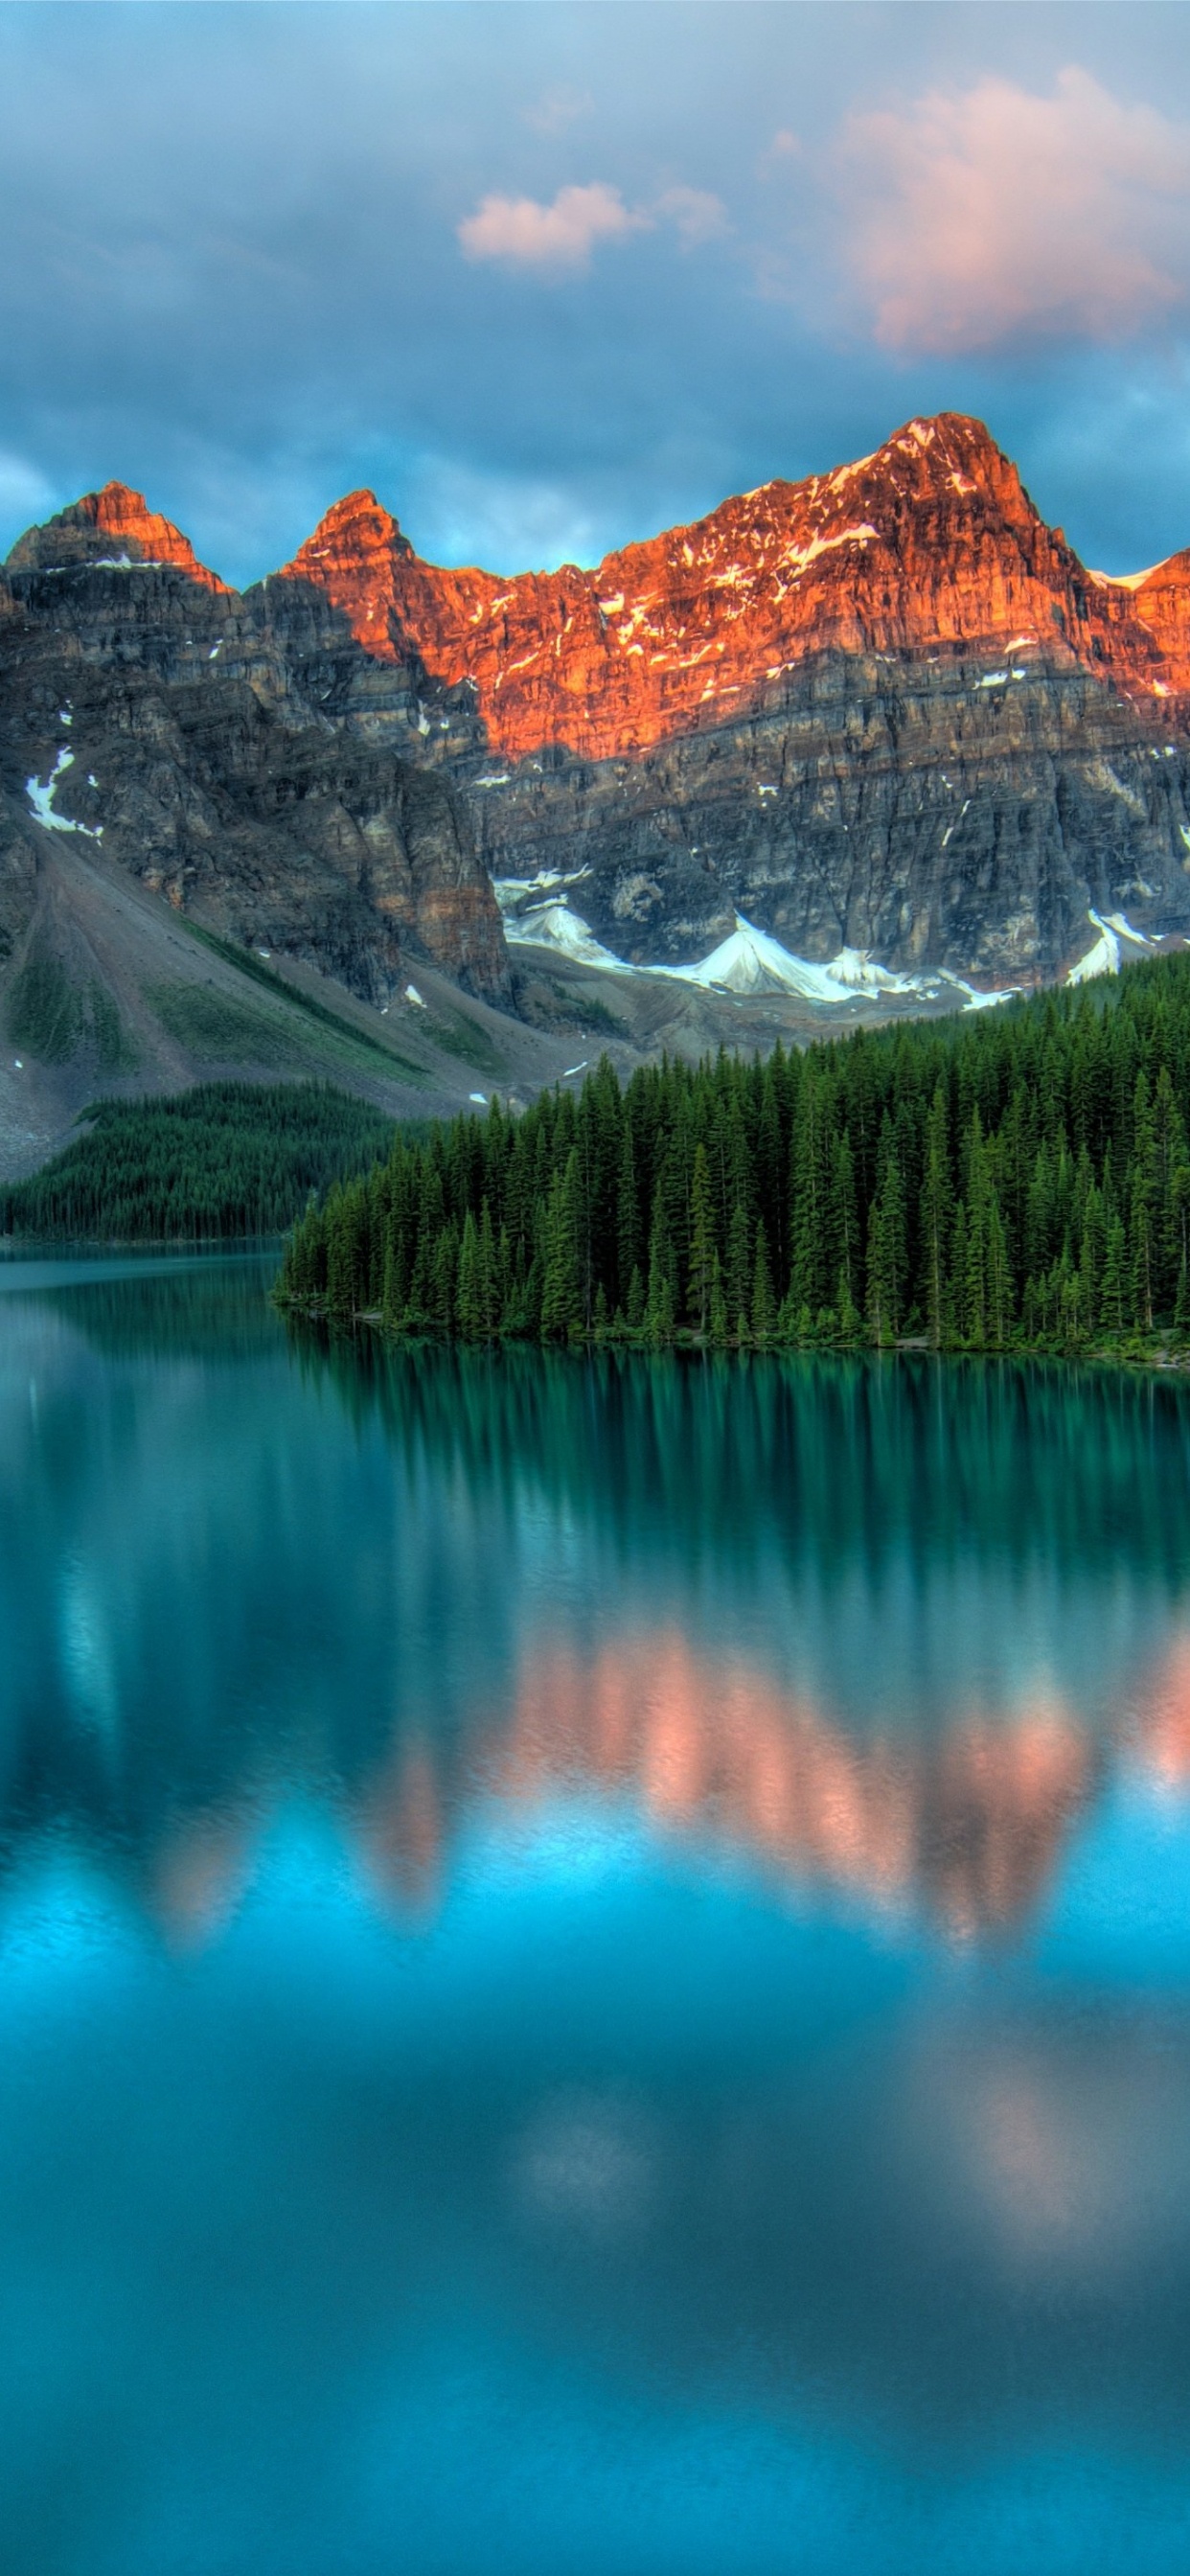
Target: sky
<point x="549" y="278"/>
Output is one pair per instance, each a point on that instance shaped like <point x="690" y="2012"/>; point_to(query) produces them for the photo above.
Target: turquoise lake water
<point x="594" y="1956"/>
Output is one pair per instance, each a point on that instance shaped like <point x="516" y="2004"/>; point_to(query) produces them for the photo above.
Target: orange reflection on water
<point x="402" y="1829"/>
<point x="969" y="1823"/>
<point x="966" y="1823"/>
<point x="1162" y="1739"/>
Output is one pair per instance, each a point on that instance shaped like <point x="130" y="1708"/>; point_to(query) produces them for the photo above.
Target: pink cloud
<point x="984" y="213"/>
<point x="558" y="236"/>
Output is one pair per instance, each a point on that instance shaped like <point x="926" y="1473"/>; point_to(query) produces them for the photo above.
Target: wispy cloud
<point x="697" y="215"/>
<point x="557" y="109"/>
<point x="526" y="234"/>
<point x="987" y="212"/>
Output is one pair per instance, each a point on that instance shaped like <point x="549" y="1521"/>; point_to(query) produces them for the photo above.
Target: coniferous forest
<point x="1016" y="1180"/>
<point x="221" y="1161"/>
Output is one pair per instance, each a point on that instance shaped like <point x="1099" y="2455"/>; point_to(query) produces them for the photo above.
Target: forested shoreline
<point x="219" y="1162"/>
<point x="1018" y="1180"/>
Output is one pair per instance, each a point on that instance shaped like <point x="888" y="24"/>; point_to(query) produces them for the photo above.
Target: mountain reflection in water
<point x="595" y="1956"/>
<point x="875" y="1629"/>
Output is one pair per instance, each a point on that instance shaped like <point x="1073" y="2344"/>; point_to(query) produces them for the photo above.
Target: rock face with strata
<point x="887" y="708"/>
<point x="152" y="710"/>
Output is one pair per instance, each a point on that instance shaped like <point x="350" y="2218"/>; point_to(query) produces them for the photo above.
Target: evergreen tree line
<point x="224" y="1160"/>
<point x="1020" y="1179"/>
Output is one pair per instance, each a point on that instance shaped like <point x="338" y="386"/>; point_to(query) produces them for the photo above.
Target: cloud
<point x="558" y="236"/>
<point x="526" y="234"/>
<point x="697" y="215"/>
<point x="987" y="213"/>
<point x="557" y="109"/>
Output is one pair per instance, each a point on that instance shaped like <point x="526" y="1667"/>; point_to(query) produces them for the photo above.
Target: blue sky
<point x="552" y="277"/>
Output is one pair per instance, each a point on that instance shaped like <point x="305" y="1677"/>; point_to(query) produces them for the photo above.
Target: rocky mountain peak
<point x="115" y="528"/>
<point x="1161" y="599"/>
<point x="932" y="543"/>
<point x="351" y="556"/>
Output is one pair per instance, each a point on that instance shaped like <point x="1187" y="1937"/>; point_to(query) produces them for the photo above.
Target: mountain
<point x="884" y="710"/>
<point x="870" y="742"/>
<point x="144" y="708"/>
<point x="932" y="542"/>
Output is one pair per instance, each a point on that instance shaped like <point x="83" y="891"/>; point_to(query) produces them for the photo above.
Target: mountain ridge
<point x="930" y="540"/>
<point x="883" y="715"/>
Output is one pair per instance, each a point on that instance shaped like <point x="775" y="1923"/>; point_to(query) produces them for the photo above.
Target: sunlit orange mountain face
<point x="884" y="716"/>
<point x="930" y="543"/>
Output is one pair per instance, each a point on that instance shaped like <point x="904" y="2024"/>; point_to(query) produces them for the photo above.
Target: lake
<point x="594" y="1954"/>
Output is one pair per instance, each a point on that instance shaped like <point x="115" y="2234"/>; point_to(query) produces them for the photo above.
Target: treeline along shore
<point x="1018" y="1179"/>
<point x="214" y="1164"/>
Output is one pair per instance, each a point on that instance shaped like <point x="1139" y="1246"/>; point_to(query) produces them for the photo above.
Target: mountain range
<point x="870" y="741"/>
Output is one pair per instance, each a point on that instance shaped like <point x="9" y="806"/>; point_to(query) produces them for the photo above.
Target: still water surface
<point x="594" y="1958"/>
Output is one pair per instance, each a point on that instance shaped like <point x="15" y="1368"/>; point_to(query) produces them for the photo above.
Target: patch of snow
<point x="480" y="1097"/>
<point x="41" y="798"/>
<point x="800" y="556"/>
<point x="766" y="791"/>
<point x="861" y="973"/>
<point x="953" y="827"/>
<point x="65" y="716"/>
<point x="1185" y="834"/>
<point x="1104" y="957"/>
<point x="976" y="1000"/>
<point x="554" y="925"/>
<point x="510" y="892"/>
<point x="749" y="961"/>
<point x="992" y="680"/>
<point x="215" y="648"/>
<point x="1126" y="580"/>
<point x="264" y="952"/>
<point x="574" y="1068"/>
<point x="495" y="778"/>
<point x="412" y="995"/>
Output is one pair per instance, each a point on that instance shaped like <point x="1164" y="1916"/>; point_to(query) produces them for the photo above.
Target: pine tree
<point x="738" y="1281"/>
<point x="561" y="1290"/>
<point x="810" y="1192"/>
<point x="702" y="1241"/>
<point x="662" y="1307"/>
<point x="719" y="1322"/>
<point x="1114" y="1301"/>
<point x="764" y="1313"/>
<point x="469" y="1316"/>
<point x="936" y="1219"/>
